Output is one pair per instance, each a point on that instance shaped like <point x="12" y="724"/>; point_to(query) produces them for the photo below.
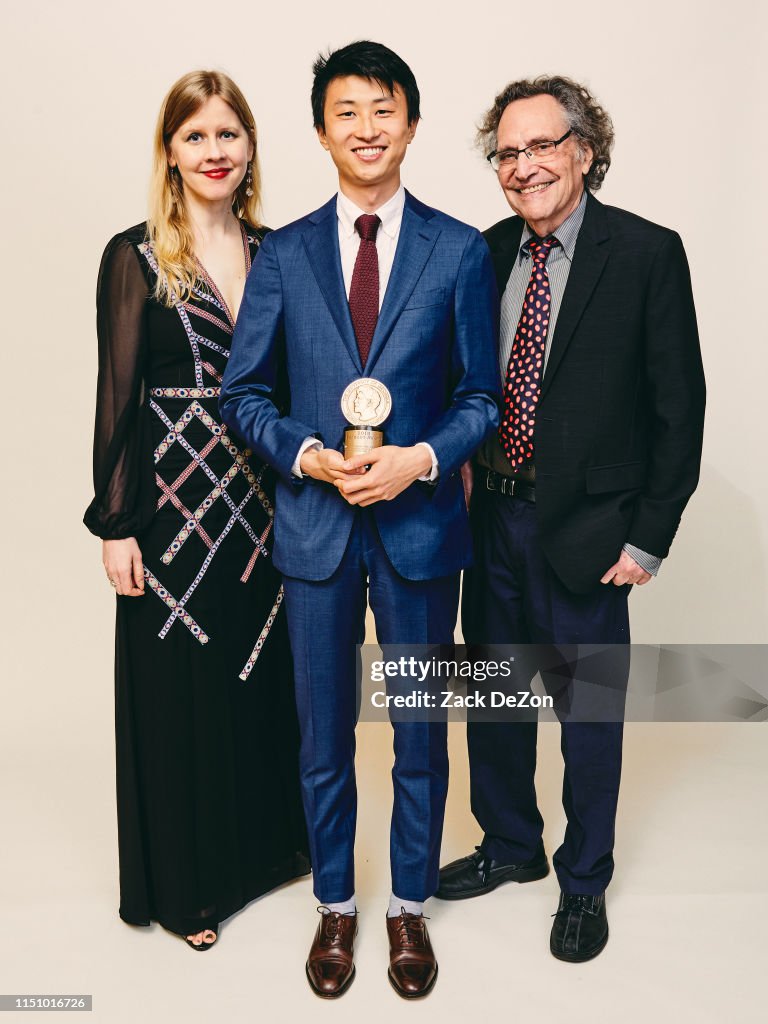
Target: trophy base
<point x="360" y="440"/>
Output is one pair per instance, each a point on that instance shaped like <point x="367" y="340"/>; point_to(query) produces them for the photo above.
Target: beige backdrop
<point x="82" y="83"/>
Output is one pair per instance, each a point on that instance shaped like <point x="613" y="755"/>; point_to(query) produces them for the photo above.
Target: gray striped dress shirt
<point x="559" y="262"/>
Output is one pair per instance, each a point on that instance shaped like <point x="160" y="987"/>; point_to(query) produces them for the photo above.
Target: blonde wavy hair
<point x="168" y="226"/>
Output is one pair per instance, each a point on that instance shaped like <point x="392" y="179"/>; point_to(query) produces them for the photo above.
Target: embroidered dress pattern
<point x="205" y="481"/>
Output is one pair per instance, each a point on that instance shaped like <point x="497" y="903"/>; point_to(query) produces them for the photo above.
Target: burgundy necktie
<point x="526" y="362"/>
<point x="364" y="289"/>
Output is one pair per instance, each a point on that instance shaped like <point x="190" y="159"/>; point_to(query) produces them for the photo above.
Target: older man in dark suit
<point x="581" y="492"/>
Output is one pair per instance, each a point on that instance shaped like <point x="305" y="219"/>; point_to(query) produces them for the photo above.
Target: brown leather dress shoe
<point x="330" y="968"/>
<point x="412" y="964"/>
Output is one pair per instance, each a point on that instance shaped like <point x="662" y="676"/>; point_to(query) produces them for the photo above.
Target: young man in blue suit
<point x="375" y="286"/>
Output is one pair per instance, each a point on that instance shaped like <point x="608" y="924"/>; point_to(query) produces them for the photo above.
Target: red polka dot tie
<point x="526" y="362"/>
<point x="364" y="289"/>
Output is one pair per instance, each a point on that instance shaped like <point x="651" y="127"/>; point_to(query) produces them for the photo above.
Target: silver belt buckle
<point x="489" y="484"/>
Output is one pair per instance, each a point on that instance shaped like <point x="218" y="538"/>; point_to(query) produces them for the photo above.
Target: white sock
<point x="397" y="906"/>
<point x="347" y="907"/>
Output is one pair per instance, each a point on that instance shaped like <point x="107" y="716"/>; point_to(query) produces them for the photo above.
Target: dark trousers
<point x="326" y="619"/>
<point x="512" y="596"/>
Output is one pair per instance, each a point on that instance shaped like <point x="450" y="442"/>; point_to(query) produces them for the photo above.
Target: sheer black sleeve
<point x="123" y="501"/>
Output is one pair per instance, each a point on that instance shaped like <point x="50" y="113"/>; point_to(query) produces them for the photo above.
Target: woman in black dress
<point x="209" y="807"/>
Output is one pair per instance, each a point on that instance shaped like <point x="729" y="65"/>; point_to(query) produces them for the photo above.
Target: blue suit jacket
<point x="294" y="352"/>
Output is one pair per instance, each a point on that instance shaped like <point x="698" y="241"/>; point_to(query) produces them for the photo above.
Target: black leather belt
<point x="510" y="486"/>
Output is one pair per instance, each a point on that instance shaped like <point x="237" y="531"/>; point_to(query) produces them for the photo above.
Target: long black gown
<point x="208" y="799"/>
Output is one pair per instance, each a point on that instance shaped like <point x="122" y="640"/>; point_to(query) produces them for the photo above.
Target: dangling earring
<point x="249" y="182"/>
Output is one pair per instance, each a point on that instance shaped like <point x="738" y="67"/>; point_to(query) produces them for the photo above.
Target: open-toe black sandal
<point x="204" y="945"/>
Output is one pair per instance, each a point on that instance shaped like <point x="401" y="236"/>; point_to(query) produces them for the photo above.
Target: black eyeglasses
<point x="539" y="153"/>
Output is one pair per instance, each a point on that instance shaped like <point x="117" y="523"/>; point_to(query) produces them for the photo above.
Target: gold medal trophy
<point x="366" y="404"/>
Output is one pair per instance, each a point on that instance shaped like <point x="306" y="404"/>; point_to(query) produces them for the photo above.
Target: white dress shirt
<point x="391" y="217"/>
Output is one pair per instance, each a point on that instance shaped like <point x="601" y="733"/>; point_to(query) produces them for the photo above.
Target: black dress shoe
<point x="477" y="874"/>
<point x="580" y="928"/>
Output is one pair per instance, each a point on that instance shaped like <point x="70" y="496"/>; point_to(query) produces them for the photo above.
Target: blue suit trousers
<point x="326" y="620"/>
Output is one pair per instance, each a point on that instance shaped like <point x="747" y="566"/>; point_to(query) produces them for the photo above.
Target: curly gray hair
<point x="588" y="121"/>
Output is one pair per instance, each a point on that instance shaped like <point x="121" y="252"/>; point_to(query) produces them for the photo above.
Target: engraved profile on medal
<point x="366" y="402"/>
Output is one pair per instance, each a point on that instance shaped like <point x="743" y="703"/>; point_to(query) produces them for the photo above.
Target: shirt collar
<point x="566" y="234"/>
<point x="390" y="214"/>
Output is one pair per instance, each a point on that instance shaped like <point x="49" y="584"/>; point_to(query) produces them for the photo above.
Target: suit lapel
<point x="504" y="252"/>
<point x="321" y="241"/>
<point x="589" y="259"/>
<point x="417" y="240"/>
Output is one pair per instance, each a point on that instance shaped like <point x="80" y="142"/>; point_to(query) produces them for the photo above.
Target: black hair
<point x="363" y="59"/>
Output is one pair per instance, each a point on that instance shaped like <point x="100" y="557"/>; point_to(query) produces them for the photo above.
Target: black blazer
<point x="620" y="420"/>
